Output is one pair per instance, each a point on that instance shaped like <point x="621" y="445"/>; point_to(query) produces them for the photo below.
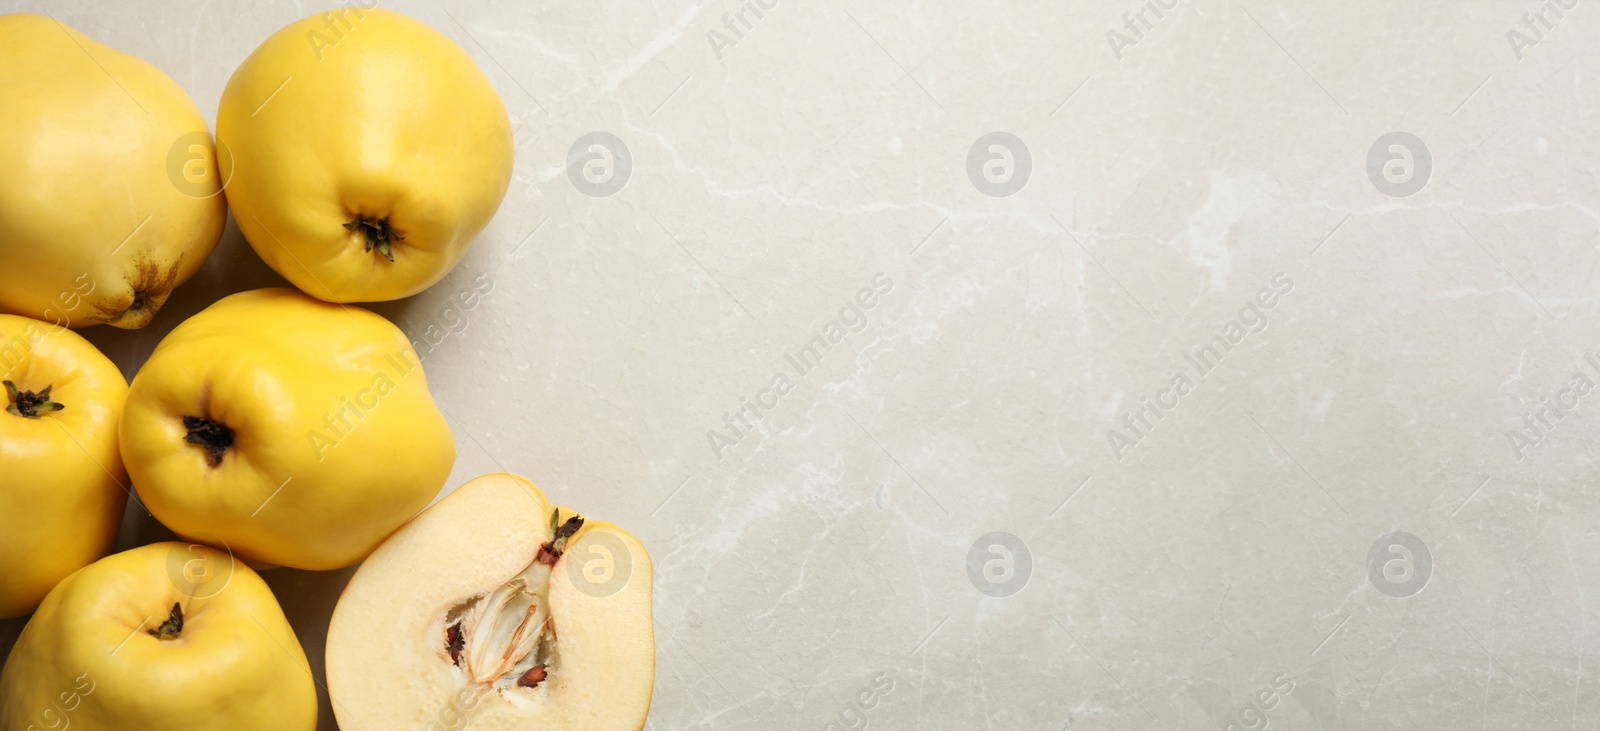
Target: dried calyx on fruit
<point x="27" y="404"/>
<point x="172" y="628"/>
<point x="507" y="638"/>
<point x="378" y="234"/>
<point x="210" y="436"/>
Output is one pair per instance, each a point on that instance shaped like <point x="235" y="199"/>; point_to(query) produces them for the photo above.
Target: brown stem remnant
<point x="379" y="234"/>
<point x="551" y="552"/>
<point x="30" y="405"/>
<point x="172" y="628"/>
<point x="210" y="436"/>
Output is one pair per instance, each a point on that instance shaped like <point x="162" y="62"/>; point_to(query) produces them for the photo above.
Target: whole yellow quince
<point x="61" y="478"/>
<point x="295" y="432"/>
<point x="110" y="197"/>
<point x="165" y="636"/>
<point x="367" y="152"/>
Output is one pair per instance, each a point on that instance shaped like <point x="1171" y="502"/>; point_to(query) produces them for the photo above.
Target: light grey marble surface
<point x="1336" y="503"/>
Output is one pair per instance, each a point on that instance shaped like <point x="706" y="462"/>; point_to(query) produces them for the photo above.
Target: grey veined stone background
<point x="1031" y="365"/>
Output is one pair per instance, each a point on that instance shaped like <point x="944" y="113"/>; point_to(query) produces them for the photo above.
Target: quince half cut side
<point x="492" y="610"/>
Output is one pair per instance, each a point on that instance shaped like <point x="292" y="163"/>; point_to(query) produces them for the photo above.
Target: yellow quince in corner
<point x="110" y="197"/>
<point x="165" y="636"/>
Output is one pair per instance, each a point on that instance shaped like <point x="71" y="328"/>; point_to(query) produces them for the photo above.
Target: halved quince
<point x="492" y="610"/>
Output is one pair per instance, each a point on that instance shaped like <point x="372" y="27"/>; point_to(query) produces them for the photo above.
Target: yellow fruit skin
<point x="61" y="478"/>
<point x="337" y="441"/>
<point x="93" y="229"/>
<point x="86" y="657"/>
<point x="362" y="112"/>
